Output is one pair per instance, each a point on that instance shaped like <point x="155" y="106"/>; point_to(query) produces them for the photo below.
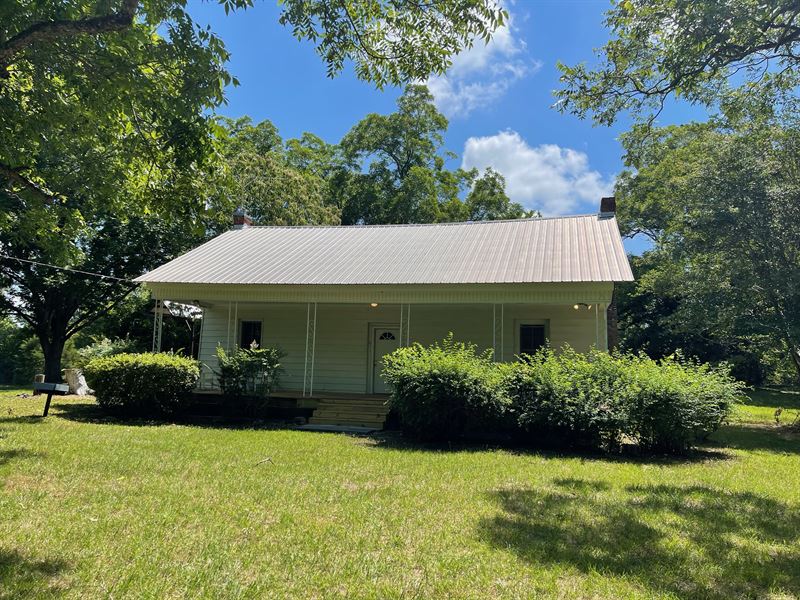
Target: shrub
<point x="248" y="372"/>
<point x="446" y="390"/>
<point x="142" y="384"/>
<point x="674" y="402"/>
<point x="571" y="397"/>
<point x="602" y="400"/>
<point x="102" y="347"/>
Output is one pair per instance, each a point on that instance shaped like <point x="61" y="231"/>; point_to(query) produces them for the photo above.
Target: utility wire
<point x="68" y="269"/>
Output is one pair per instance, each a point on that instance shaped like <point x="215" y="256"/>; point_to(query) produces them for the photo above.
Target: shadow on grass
<point x="693" y="542"/>
<point x="392" y="440"/>
<point x="22" y="577"/>
<point x="6" y="456"/>
<point x="774" y="397"/>
<point x="89" y="412"/>
<point x="743" y="436"/>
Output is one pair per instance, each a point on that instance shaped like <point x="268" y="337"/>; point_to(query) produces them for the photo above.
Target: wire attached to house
<point x="68" y="269"/>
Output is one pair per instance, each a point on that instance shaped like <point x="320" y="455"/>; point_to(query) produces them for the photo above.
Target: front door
<point x="384" y="341"/>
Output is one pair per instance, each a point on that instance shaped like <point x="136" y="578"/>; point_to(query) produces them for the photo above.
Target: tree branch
<point x="15" y="175"/>
<point x="51" y="30"/>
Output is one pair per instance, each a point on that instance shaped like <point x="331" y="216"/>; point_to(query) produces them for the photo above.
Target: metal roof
<point x="562" y="249"/>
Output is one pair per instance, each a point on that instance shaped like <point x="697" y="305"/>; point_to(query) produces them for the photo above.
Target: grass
<point x="94" y="508"/>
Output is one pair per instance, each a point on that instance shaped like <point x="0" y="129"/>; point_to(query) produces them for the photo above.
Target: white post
<point x="155" y="321"/>
<point x="596" y="327"/>
<point x="494" y="331"/>
<point x="305" y="365"/>
<point x="502" y="331"/>
<point x="408" y="326"/>
<point x="235" y="325"/>
<point x="401" y="325"/>
<point x="228" y="330"/>
<point x="313" y="348"/>
<point x="605" y="329"/>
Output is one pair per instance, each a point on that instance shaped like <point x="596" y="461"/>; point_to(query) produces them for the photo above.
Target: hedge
<point x="445" y="391"/>
<point x="142" y="384"/>
<point x="595" y="400"/>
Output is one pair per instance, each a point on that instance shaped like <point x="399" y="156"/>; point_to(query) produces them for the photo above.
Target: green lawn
<point x="91" y="508"/>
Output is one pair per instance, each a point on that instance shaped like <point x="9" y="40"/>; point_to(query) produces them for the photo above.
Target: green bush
<point x="446" y="390"/>
<point x="250" y="372"/>
<point x="571" y="397"/>
<point x="595" y="400"/>
<point x="103" y="347"/>
<point x="142" y="384"/>
<point x="604" y="400"/>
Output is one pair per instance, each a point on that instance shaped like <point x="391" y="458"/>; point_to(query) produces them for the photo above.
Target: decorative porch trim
<point x="514" y="293"/>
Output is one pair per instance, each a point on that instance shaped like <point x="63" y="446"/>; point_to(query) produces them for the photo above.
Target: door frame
<point x="371" y="350"/>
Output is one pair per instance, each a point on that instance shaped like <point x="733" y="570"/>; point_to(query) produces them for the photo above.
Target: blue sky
<point x="498" y="97"/>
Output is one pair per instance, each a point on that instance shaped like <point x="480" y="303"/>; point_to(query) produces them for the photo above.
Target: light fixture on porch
<point x="580" y="305"/>
<point x="373" y="304"/>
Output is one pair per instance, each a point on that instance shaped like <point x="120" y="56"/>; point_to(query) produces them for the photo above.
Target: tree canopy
<point x="722" y="206"/>
<point x="399" y="173"/>
<point x="111" y="157"/>
<point x="709" y="52"/>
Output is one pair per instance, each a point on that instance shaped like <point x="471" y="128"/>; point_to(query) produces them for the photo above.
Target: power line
<point x="68" y="269"/>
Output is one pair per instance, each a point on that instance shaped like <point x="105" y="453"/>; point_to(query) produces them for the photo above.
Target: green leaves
<point x="722" y="205"/>
<point x="391" y="42"/>
<point x="688" y="49"/>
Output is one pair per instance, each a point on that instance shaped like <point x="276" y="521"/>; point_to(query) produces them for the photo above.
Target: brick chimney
<point x="608" y="205"/>
<point x="240" y="219"/>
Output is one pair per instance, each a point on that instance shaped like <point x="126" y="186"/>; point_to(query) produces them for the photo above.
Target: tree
<point x="690" y="49"/>
<point x="108" y="132"/>
<point x="398" y="173"/>
<point x="488" y="201"/>
<point x="261" y="178"/>
<point x="722" y="205"/>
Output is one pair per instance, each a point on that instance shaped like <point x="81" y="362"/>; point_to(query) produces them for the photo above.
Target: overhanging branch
<point x="15" y="175"/>
<point x="51" y="30"/>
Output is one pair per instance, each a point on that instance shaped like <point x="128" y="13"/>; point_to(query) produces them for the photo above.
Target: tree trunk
<point x="52" y="350"/>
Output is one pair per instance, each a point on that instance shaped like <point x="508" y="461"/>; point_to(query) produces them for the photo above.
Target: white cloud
<point x="482" y="74"/>
<point x="548" y="178"/>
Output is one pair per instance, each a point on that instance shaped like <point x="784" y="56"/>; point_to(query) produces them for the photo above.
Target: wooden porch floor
<point x="341" y="409"/>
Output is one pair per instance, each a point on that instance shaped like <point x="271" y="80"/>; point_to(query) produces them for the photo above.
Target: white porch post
<point x="405" y="324"/>
<point x="228" y="330"/>
<point x="311" y="340"/>
<point x="158" y="324"/>
<point x="596" y="327"/>
<point x="605" y="329"/>
<point x="235" y="334"/>
<point x="498" y="331"/>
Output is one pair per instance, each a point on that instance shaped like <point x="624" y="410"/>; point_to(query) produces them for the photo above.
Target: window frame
<point x="241" y="333"/>
<point x="520" y="323"/>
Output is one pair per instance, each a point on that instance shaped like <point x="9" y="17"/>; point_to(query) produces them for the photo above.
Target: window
<point x="387" y="335"/>
<point x="251" y="332"/>
<point x="531" y="338"/>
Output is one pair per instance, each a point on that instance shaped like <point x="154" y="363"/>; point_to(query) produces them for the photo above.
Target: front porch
<point x="333" y="350"/>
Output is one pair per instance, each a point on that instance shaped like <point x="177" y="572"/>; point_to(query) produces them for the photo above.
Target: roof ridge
<point x="445" y="224"/>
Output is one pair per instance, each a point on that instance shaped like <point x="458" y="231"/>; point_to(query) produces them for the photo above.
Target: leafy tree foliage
<point x="108" y="132"/>
<point x="399" y="173"/>
<point x="689" y="49"/>
<point x="722" y="204"/>
<point x="262" y="178"/>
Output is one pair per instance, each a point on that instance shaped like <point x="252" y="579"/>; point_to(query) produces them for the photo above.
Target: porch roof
<point x="586" y="248"/>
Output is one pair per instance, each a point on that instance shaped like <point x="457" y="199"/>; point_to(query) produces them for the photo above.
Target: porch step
<point x="351" y="412"/>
